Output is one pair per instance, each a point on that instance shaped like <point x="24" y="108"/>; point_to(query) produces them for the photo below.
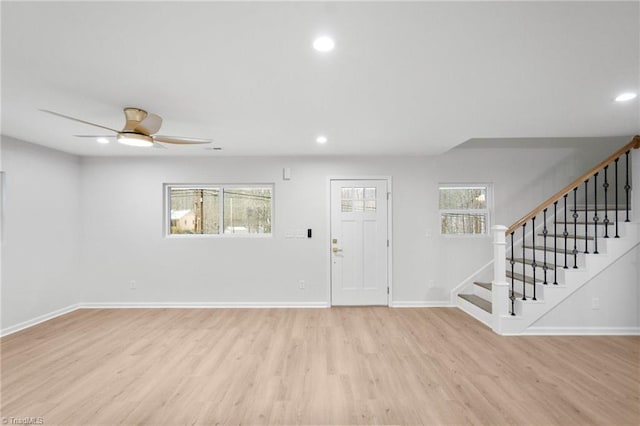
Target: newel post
<point x="635" y="182"/>
<point x="499" y="285"/>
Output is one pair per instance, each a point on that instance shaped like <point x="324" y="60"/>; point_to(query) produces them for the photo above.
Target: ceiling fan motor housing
<point x="133" y="116"/>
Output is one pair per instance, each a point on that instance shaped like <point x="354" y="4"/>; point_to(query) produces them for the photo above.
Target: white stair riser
<point x="611" y="215"/>
<point x="482" y="292"/>
<point x="529" y="288"/>
<point x="580" y="243"/>
<point x="580" y="230"/>
<point x="476" y="312"/>
<point x="559" y="257"/>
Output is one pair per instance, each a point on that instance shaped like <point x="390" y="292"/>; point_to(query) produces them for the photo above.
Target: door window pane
<point x="358" y="200"/>
<point x="347" y="193"/>
<point x="370" y="193"/>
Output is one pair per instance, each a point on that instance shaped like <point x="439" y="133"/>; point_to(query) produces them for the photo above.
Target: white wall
<point x="122" y="224"/>
<point x="618" y="292"/>
<point x="78" y="230"/>
<point x="40" y="248"/>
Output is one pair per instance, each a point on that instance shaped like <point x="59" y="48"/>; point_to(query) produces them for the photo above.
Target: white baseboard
<point x="435" y="304"/>
<point x="37" y="320"/>
<point x="581" y="331"/>
<point x="203" y="305"/>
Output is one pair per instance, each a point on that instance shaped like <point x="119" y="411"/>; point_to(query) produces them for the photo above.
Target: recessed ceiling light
<point x="323" y="44"/>
<point x="626" y="96"/>
<point x="102" y="140"/>
<point x="321" y="139"/>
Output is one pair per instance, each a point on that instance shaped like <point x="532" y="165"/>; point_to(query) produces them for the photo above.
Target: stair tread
<point x="539" y="262"/>
<point x="488" y="286"/>
<point x="478" y="301"/>
<point x="550" y="248"/>
<point x="483" y="285"/>
<point x="600" y="207"/>
<point x="573" y="237"/>
<point x="586" y="223"/>
<point x="527" y="278"/>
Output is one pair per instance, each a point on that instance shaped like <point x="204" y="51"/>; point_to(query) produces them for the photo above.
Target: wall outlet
<point x="595" y="303"/>
<point x="301" y="284"/>
<point x="431" y="284"/>
<point x="133" y="284"/>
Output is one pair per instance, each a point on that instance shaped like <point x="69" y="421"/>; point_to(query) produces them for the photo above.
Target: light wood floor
<point x="311" y="366"/>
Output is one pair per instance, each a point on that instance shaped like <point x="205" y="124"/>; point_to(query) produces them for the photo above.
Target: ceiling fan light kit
<point x="135" y="139"/>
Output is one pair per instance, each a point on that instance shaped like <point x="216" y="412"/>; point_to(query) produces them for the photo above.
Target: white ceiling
<point x="404" y="78"/>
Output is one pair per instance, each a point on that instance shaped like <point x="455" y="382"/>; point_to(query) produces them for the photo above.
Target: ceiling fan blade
<point x="95" y="136"/>
<point x="78" y="120"/>
<point x="180" y="141"/>
<point x="149" y="125"/>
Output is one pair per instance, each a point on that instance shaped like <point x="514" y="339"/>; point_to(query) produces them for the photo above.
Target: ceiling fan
<point x="138" y="130"/>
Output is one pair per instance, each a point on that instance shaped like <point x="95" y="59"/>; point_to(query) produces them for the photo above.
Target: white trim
<point x="203" y="305"/>
<point x="166" y="228"/>
<point x="389" y="180"/>
<point x="579" y="331"/>
<point x="37" y="320"/>
<point x="476" y="312"/>
<point x="467" y="281"/>
<point x="434" y="304"/>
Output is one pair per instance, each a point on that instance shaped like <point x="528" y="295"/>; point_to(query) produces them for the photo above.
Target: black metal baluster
<point x="533" y="264"/>
<point x="616" y="206"/>
<point x="555" y="242"/>
<point x="544" y="233"/>
<point x="627" y="187"/>
<point x="565" y="233"/>
<point x="524" y="284"/>
<point x="575" y="228"/>
<point x="606" y="208"/>
<point x="586" y="216"/>
<point x="513" y="294"/>
<point x="595" y="216"/>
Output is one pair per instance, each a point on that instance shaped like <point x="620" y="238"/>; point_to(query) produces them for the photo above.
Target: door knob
<point x="336" y="249"/>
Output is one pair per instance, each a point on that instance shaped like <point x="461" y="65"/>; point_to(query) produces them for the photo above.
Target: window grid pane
<point x="463" y="198"/>
<point x="245" y="210"/>
<point x="194" y="211"/>
<point x="464" y="209"/>
<point x="358" y="200"/>
<point x="463" y="223"/>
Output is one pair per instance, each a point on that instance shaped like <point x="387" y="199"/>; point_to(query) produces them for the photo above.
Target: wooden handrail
<point x="635" y="143"/>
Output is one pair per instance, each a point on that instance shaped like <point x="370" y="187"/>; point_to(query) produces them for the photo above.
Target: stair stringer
<point x="530" y="311"/>
<point x="485" y="272"/>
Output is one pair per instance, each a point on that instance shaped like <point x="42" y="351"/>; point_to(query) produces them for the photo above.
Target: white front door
<point x="359" y="246"/>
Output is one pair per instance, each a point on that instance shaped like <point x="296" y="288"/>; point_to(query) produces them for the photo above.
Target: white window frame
<point x="221" y="187"/>
<point x="488" y="211"/>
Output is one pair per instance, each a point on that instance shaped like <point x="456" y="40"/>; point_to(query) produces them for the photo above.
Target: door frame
<point x="389" y="180"/>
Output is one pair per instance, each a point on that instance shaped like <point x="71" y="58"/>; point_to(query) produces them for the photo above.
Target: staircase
<point x="558" y="247"/>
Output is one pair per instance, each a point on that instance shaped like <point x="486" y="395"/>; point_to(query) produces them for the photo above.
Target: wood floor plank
<point x="360" y="366"/>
